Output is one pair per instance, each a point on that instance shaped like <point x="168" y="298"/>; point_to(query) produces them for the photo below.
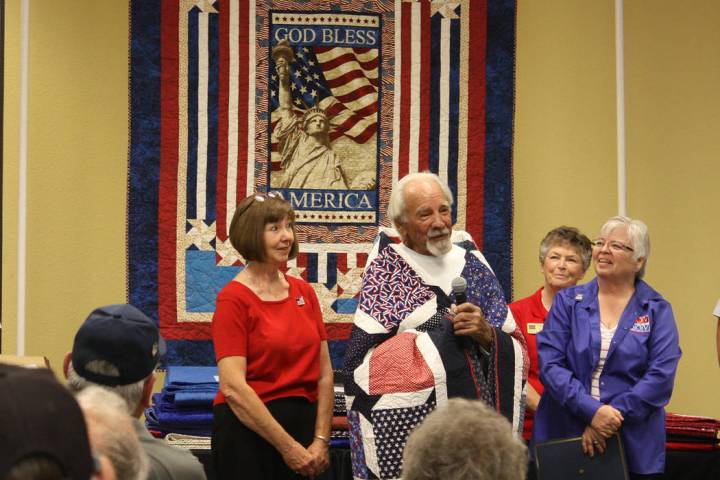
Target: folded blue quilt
<point x="152" y="423"/>
<point x="168" y="419"/>
<point x="180" y="375"/>
<point x="190" y="386"/>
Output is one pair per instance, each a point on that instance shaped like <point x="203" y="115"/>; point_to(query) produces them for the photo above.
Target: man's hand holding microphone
<point x="468" y="319"/>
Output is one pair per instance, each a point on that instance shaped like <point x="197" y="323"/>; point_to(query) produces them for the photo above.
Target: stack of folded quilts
<point x="185" y="404"/>
<point x="339" y="435"/>
<point x="688" y="432"/>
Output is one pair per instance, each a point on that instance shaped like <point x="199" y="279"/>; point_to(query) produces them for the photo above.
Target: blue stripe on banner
<point x="500" y="80"/>
<point x="144" y="162"/>
<point x="345" y="305"/>
<point x="337" y="353"/>
<point x="204" y="280"/>
<point x="192" y="113"/>
<point x="189" y="352"/>
<point x="454" y="111"/>
<point x="312" y="267"/>
<point x="331" y="270"/>
<point x="433" y="144"/>
<point x="212" y="114"/>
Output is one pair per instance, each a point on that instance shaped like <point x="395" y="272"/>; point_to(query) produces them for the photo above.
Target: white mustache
<point x="438" y="232"/>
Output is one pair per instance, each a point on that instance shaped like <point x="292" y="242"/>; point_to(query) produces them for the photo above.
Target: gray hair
<point x="396" y="205"/>
<point x="639" y="237"/>
<point x="131" y="394"/>
<point x="464" y="440"/>
<point x="112" y="433"/>
<point x="570" y="236"/>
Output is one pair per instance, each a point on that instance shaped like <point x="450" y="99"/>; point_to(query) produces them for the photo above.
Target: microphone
<point x="459" y="286"/>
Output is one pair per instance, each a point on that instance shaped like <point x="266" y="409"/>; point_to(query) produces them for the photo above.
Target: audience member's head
<point x="464" y="440"/>
<point x="111" y="432"/>
<point x="117" y="348"/>
<point x="42" y="430"/>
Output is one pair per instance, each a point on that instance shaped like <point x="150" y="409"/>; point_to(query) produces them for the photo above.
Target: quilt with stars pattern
<point x="404" y="359"/>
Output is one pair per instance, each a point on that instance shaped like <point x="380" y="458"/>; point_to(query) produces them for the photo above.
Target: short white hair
<point x="396" y="206"/>
<point x="639" y="237"/>
<point x="464" y="440"/>
<point x="112" y="433"/>
<point x="131" y="394"/>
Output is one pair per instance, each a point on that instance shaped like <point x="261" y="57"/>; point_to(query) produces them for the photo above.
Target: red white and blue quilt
<point x="405" y="85"/>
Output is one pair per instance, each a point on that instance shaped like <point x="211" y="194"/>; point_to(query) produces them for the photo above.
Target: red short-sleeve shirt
<point x="280" y="339"/>
<point x="530" y="314"/>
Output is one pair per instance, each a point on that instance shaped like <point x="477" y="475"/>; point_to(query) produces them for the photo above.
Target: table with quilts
<point x="182" y="414"/>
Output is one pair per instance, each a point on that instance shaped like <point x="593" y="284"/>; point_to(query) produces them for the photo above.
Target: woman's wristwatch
<point x="323" y="438"/>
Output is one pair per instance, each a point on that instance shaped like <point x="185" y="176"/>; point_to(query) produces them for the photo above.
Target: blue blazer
<point x="637" y="378"/>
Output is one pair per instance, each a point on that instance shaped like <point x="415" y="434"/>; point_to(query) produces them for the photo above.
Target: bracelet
<point x="324" y="439"/>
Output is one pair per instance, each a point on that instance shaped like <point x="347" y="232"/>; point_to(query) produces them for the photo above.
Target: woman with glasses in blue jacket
<point x="608" y="354"/>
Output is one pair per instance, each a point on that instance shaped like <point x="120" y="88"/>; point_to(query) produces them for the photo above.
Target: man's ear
<point x="66" y="363"/>
<point x="400" y="227"/>
<point x="107" y="471"/>
<point x="147" y="390"/>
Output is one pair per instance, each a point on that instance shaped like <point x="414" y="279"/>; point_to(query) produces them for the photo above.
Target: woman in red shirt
<point x="273" y="412"/>
<point x="565" y="255"/>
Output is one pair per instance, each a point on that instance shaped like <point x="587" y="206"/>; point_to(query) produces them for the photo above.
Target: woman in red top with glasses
<point x="273" y="412"/>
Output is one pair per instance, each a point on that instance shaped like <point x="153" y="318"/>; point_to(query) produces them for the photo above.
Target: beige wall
<point x="564" y="158"/>
<point x="77" y="165"/>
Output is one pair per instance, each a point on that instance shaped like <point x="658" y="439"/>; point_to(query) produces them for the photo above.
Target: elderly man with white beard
<point x="419" y="337"/>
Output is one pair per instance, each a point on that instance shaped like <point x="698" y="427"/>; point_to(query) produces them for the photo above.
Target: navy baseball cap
<point x="122" y="336"/>
<point x="39" y="416"/>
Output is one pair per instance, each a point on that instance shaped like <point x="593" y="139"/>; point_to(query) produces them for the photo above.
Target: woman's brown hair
<point x="248" y="224"/>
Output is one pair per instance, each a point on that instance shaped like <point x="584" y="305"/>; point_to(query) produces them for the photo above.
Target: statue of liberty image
<point x="304" y="145"/>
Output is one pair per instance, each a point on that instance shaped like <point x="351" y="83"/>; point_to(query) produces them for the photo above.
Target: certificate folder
<point x="565" y="459"/>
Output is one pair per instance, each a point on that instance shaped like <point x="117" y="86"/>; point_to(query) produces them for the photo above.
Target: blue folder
<point x="565" y="459"/>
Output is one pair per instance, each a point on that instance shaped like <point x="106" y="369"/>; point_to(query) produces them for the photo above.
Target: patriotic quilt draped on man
<point x="404" y="360"/>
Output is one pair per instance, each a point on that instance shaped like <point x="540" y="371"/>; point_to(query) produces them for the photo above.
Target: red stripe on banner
<point x="222" y="143"/>
<point x="167" y="194"/>
<point x="424" y="137"/>
<point x="338" y="331"/>
<point x="476" y="122"/>
<point x="242" y="112"/>
<point x="361" y="260"/>
<point x="349" y="77"/>
<point x="368" y="110"/>
<point x="341" y="262"/>
<point x="346" y="58"/>
<point x="301" y="262"/>
<point x="356" y="94"/>
<point x="362" y="137"/>
<point x="405" y="76"/>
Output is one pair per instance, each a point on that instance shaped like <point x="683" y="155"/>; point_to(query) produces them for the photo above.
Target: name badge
<point x="534" y="328"/>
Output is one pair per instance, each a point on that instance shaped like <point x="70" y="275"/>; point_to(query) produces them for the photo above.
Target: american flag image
<point x="340" y="80"/>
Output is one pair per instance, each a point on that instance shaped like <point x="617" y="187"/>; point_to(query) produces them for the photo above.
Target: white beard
<point x="438" y="248"/>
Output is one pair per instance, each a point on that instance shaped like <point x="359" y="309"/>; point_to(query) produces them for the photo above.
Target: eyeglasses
<point x="259" y="197"/>
<point x="614" y="246"/>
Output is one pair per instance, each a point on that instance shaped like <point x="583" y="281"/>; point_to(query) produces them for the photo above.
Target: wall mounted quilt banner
<point x="228" y="97"/>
